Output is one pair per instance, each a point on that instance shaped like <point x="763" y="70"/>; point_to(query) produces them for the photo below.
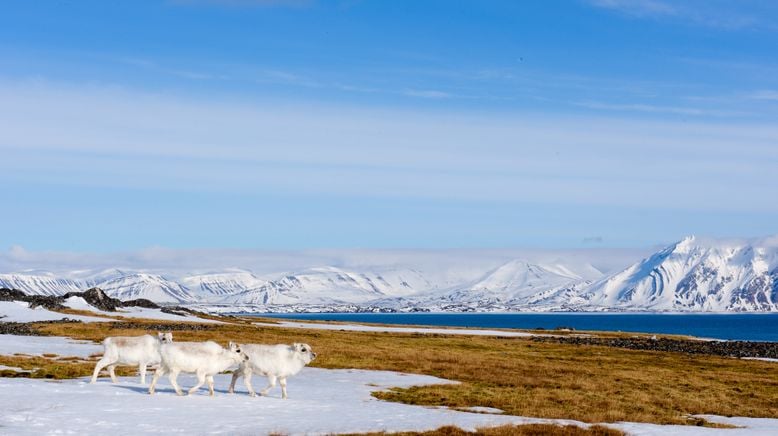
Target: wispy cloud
<point x="637" y="7"/>
<point x="426" y="93"/>
<point x="770" y="95"/>
<point x="247" y="3"/>
<point x="183" y="73"/>
<point x="641" y="107"/>
<point x="286" y="78"/>
<point x="708" y="13"/>
<point x="92" y="136"/>
<point x="187" y="261"/>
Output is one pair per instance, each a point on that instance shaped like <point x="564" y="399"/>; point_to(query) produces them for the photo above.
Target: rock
<point x="17" y="328"/>
<point x="25" y="328"/>
<point x="97" y="298"/>
<point x="94" y="296"/>
<point x="141" y="302"/>
<point x="48" y="302"/>
<point x="716" y="348"/>
<point x="12" y="295"/>
<point x="163" y="327"/>
<point x="180" y="311"/>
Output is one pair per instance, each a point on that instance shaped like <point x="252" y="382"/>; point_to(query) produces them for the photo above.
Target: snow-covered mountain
<point x="691" y="275"/>
<point x="149" y="286"/>
<point x="696" y="274"/>
<point x="221" y="284"/>
<point x="517" y="283"/>
<point x="331" y="284"/>
<point x="37" y="283"/>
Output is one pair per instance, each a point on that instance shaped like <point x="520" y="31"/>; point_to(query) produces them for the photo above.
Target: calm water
<point x="747" y="327"/>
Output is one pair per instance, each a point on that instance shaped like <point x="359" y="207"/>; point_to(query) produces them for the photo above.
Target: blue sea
<point x="745" y="327"/>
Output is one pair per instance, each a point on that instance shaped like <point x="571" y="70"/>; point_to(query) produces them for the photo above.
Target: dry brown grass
<point x="68" y="311"/>
<point x="514" y="430"/>
<point x="587" y="383"/>
<point x="52" y="368"/>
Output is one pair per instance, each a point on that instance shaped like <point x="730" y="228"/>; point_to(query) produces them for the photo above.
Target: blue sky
<point x="374" y="124"/>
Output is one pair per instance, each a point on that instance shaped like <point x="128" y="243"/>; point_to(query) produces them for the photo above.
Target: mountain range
<point x="691" y="275"/>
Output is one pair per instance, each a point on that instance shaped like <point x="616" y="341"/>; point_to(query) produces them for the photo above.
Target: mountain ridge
<point x="693" y="274"/>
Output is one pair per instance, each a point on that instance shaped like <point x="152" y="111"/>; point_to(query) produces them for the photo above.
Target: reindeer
<point x="131" y="350"/>
<point x="205" y="359"/>
<point x="273" y="361"/>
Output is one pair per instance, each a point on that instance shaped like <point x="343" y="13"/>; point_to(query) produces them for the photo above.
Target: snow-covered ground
<point x="320" y="402"/>
<point x="38" y="345"/>
<point x="19" y="311"/>
<point x="12" y="368"/>
<point x="134" y="312"/>
<point x="763" y="359"/>
<point x="387" y="329"/>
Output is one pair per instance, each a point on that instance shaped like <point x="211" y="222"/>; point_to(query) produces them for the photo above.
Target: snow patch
<point x="135" y="312"/>
<point x="20" y="311"/>
<point x="39" y="345"/>
<point x="764" y="359"/>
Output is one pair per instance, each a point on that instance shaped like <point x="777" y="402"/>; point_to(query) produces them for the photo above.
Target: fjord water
<point x="744" y="327"/>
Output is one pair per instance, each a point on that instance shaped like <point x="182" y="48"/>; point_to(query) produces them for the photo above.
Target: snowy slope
<point x="150" y="286"/>
<point x="330" y="284"/>
<point x="220" y="284"/>
<point x="519" y="279"/>
<point x="517" y="283"/>
<point x="38" y="283"/>
<point x="699" y="275"/>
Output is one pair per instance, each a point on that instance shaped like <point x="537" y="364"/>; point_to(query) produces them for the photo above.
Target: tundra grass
<point x="513" y="430"/>
<point x="52" y="368"/>
<point x="545" y="380"/>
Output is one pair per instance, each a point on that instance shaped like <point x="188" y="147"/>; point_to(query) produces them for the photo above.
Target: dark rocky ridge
<point x="714" y="348"/>
<point x="25" y="328"/>
<point x="124" y="325"/>
<point x="94" y="296"/>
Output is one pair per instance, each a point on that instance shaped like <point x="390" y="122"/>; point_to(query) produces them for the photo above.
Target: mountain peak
<point x="685" y="244"/>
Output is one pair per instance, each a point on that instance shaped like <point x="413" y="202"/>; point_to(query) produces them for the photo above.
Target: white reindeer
<point x="275" y="362"/>
<point x="204" y="359"/>
<point x="131" y="350"/>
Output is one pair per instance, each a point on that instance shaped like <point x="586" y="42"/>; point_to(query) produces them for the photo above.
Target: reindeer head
<point x="165" y="338"/>
<point x="238" y="353"/>
<point x="304" y="351"/>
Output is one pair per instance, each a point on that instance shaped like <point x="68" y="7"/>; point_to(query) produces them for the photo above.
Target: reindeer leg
<point x="142" y="369"/>
<point x="112" y="373"/>
<point x="102" y="363"/>
<point x="271" y="383"/>
<point x="209" y="379"/>
<point x="235" y="376"/>
<point x="173" y="376"/>
<point x="247" y="379"/>
<point x="200" y="382"/>
<point x="282" y="382"/>
<point x="159" y="372"/>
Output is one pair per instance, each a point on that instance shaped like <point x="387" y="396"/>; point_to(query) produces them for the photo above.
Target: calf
<point x="205" y="359"/>
<point x="273" y="361"/>
<point x="131" y="350"/>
